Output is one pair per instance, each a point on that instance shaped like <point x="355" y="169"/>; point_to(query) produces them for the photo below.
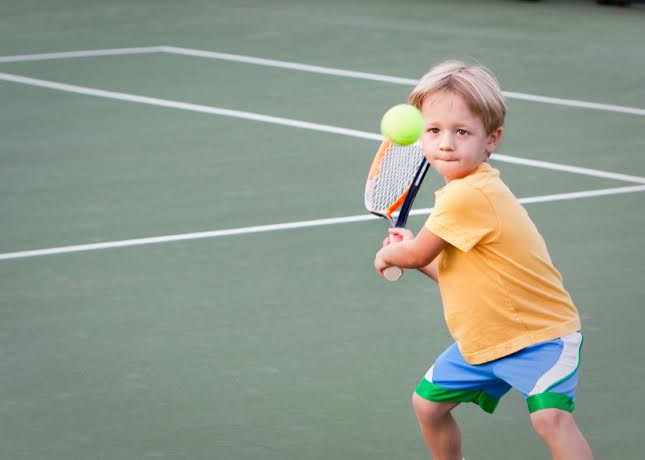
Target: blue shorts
<point x="545" y="373"/>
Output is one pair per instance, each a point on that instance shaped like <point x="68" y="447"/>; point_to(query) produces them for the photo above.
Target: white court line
<point x="285" y="122"/>
<point x="289" y="65"/>
<point x="185" y="106"/>
<point x="575" y="103"/>
<point x="287" y="226"/>
<point x="80" y="54"/>
<point x="308" y="68"/>
<point x="567" y="168"/>
<point x="392" y="79"/>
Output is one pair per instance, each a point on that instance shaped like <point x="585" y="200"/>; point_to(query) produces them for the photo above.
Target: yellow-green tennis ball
<point x="402" y="124"/>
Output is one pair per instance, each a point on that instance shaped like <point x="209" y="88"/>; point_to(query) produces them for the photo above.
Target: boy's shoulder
<point x="483" y="189"/>
<point x="464" y="212"/>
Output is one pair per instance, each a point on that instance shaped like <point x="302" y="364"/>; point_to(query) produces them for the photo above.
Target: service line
<point x="287" y="226"/>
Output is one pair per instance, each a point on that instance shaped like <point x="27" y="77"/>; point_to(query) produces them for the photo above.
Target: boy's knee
<point x="550" y="422"/>
<point x="430" y="410"/>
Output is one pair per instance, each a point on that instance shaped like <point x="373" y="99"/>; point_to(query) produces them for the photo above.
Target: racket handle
<point x="393" y="273"/>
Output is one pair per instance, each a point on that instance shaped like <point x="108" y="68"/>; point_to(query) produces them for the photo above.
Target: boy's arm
<point x="430" y="270"/>
<point x="413" y="252"/>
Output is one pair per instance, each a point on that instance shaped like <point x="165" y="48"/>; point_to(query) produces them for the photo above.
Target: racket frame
<point x="394" y="273"/>
<point x="410" y="194"/>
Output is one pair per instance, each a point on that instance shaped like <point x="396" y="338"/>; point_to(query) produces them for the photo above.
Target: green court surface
<point x="126" y="332"/>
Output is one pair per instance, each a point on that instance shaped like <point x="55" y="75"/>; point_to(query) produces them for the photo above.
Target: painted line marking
<point x="285" y="122"/>
<point x="287" y="226"/>
<point x="82" y="54"/>
<point x="392" y="79"/>
<point x="185" y="106"/>
<point x="567" y="168"/>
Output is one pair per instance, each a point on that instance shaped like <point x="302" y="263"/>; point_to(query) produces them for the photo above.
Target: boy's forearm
<point x="418" y="252"/>
<point x="401" y="255"/>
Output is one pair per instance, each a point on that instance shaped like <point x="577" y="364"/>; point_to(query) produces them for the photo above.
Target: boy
<point x="513" y="323"/>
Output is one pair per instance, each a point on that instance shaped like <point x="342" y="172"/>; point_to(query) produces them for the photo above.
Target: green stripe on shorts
<point x="549" y="401"/>
<point x="431" y="392"/>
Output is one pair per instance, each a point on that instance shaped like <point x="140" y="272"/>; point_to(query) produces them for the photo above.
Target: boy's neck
<point x="448" y="180"/>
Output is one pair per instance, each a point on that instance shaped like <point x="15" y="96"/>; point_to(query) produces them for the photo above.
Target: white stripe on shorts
<point x="566" y="365"/>
<point x="428" y="375"/>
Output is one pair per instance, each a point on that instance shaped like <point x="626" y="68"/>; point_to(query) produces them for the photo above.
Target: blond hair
<point x="474" y="83"/>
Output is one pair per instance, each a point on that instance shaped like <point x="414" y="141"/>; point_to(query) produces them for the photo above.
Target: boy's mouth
<point x="446" y="160"/>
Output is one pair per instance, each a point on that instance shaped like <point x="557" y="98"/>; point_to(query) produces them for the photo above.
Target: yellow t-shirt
<point x="499" y="288"/>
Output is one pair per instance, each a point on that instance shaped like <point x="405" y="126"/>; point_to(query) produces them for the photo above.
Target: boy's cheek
<point x="427" y="151"/>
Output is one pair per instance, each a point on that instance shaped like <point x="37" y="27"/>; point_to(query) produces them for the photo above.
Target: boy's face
<point x="454" y="139"/>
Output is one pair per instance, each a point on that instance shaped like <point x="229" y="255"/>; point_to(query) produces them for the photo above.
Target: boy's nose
<point x="447" y="143"/>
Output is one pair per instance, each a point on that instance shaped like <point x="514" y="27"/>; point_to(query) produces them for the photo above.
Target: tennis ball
<point x="402" y="124"/>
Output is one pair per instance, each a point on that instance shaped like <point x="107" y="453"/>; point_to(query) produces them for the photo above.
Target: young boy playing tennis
<point x="513" y="323"/>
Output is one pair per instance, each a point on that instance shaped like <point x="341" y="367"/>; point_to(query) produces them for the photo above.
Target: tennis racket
<point x="392" y="183"/>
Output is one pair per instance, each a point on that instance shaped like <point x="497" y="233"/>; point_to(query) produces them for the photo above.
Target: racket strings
<point x="385" y="190"/>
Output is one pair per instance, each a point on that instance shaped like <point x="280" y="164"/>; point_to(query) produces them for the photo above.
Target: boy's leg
<point x="559" y="431"/>
<point x="438" y="428"/>
<point x="449" y="382"/>
<point x="547" y="375"/>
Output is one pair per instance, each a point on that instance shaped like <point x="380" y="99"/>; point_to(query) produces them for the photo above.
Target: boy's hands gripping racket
<point x="392" y="183"/>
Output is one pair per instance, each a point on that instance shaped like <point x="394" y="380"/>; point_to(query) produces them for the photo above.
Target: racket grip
<point x="392" y="273"/>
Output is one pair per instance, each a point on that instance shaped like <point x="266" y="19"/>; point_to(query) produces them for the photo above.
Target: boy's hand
<point x="379" y="264"/>
<point x="397" y="235"/>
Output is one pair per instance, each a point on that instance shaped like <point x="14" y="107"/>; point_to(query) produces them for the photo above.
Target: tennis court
<point x="185" y="261"/>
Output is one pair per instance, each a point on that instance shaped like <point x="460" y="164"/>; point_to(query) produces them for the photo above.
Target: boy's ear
<point x="493" y="140"/>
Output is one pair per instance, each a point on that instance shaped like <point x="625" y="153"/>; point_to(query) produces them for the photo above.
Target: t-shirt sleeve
<point x="462" y="216"/>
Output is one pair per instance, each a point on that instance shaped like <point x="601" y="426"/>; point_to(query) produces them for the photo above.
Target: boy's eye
<point x="462" y="132"/>
<point x="433" y="130"/>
